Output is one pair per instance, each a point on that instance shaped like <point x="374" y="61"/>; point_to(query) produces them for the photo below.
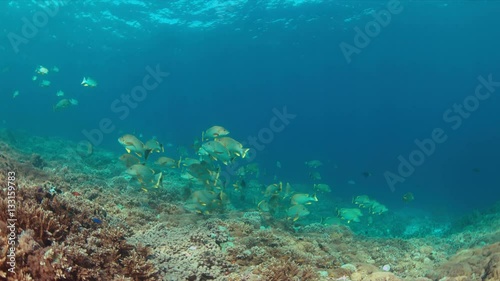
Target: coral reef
<point x="192" y="252"/>
<point x="57" y="240"/>
<point x="79" y="218"/>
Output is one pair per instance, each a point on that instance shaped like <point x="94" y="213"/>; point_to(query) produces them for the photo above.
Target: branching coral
<point x="287" y="271"/>
<point x="57" y="240"/>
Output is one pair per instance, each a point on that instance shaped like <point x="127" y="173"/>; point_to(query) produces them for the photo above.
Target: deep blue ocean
<point x="231" y="63"/>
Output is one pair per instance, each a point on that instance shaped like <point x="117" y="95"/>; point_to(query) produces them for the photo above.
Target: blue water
<point x="231" y="63"/>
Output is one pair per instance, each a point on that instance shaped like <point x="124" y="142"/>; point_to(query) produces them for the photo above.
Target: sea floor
<point x="76" y="217"/>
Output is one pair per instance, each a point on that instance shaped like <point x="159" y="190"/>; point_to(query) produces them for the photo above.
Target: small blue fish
<point x="96" y="220"/>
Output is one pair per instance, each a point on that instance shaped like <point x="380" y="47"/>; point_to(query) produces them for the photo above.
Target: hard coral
<point x="483" y="261"/>
<point x="492" y="270"/>
<point x="190" y="252"/>
<point x="287" y="271"/>
<point x="37" y="161"/>
<point x="58" y="241"/>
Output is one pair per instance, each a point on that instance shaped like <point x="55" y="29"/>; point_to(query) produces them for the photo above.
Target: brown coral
<point x="287" y="271"/>
<point x="56" y="240"/>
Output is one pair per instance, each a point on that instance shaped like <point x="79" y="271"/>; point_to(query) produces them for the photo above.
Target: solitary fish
<point x="89" y="82"/>
<point x="186" y="162"/>
<point x="301" y="198"/>
<point x="62" y="104"/>
<point x="166" y="161"/>
<point x="152" y="146"/>
<point x="129" y="160"/>
<point x="408" y="197"/>
<point x="216" y="150"/>
<point x="313" y="164"/>
<point x="41" y="70"/>
<point x="273" y="189"/>
<point x="233" y="146"/>
<point x="322" y="187"/>
<point x="45" y="83"/>
<point x="297" y="211"/>
<point x="145" y="175"/>
<point x="214" y="132"/>
<point x="350" y="214"/>
<point x="132" y="144"/>
<point x="315" y="175"/>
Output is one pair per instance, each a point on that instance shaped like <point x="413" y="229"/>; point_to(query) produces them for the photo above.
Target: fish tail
<point x="245" y="151"/>
<point x="217" y="177"/>
<point x="179" y="162"/>
<point x="147" y="152"/>
<point x="159" y="180"/>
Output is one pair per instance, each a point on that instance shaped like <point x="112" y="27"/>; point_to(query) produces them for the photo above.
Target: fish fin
<point x="262" y="201"/>
<point x="128" y="150"/>
<point x="245" y="151"/>
<point x="315" y="198"/>
<point x="147" y="152"/>
<point x="138" y="154"/>
<point x="159" y="180"/>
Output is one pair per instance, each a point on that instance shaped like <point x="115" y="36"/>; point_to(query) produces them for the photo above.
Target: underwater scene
<point x="232" y="140"/>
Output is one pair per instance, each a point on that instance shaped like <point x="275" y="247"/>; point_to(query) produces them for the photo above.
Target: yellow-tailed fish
<point x="132" y="144"/>
<point x="302" y="198"/>
<point x="214" y="132"/>
<point x="89" y="82"/>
